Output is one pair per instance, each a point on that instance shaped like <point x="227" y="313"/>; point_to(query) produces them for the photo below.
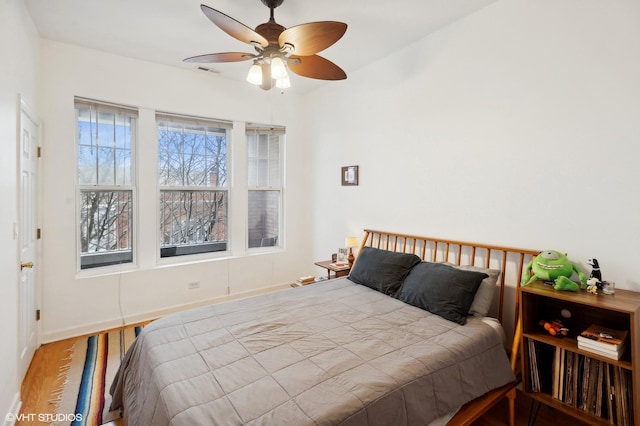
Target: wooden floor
<point x="42" y="378"/>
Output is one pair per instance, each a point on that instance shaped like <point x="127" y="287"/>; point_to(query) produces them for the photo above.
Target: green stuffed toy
<point x="551" y="265"/>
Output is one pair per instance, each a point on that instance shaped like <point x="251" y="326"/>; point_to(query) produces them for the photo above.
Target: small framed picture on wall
<point x="350" y="176"/>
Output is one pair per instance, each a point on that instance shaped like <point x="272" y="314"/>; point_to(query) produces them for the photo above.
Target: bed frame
<point x="511" y="263"/>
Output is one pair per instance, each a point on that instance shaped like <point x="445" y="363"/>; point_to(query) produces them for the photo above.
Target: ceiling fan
<point x="278" y="48"/>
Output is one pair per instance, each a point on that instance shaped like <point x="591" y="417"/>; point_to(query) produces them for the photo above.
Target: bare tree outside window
<point x="192" y="169"/>
<point x="105" y="141"/>
<point x="105" y="221"/>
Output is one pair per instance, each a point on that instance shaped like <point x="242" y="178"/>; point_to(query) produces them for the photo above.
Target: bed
<point x="374" y="348"/>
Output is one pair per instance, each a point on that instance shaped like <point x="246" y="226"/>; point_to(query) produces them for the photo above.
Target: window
<point x="194" y="197"/>
<point x="264" y="159"/>
<point x="106" y="142"/>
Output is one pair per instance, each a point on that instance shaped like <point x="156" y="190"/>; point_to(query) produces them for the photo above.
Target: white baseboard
<point x="81" y="330"/>
<point x="151" y="315"/>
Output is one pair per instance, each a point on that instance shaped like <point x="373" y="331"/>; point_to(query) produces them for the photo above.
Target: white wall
<point x="519" y="126"/>
<point x="19" y="50"/>
<point x="73" y="302"/>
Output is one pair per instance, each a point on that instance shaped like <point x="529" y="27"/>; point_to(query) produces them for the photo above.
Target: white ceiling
<point x="167" y="31"/>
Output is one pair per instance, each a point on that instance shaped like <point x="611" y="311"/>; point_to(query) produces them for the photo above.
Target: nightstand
<point x="330" y="267"/>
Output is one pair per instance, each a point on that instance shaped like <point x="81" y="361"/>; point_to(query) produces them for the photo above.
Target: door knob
<point x="26" y="265"/>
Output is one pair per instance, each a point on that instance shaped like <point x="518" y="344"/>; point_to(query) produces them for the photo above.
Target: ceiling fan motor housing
<point x="271" y="31"/>
<point x="271" y="4"/>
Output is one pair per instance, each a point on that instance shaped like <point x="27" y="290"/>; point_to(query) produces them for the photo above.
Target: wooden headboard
<point x="510" y="261"/>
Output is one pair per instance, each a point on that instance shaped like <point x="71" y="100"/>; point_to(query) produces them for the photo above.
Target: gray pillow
<point x="484" y="296"/>
<point x="382" y="270"/>
<point x="441" y="289"/>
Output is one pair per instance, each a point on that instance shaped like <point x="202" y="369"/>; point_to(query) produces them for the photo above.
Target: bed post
<point x="362" y="245"/>
<point x="364" y="240"/>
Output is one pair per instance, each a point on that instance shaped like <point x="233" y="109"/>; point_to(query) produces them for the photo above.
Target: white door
<point x="28" y="196"/>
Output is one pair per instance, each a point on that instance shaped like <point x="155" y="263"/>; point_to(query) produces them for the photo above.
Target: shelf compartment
<point x="592" y="388"/>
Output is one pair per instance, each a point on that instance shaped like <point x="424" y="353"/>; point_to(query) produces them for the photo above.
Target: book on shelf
<point x="559" y="375"/>
<point x="542" y="371"/>
<point x="555" y="390"/>
<point x="533" y="363"/>
<point x="606" y="352"/>
<point x="603" y="337"/>
<point x="609" y="393"/>
<point x="619" y="402"/>
<point x="594" y="386"/>
<point x="571" y="379"/>
<point x="600" y="389"/>
<point x="586" y="383"/>
<point x="623" y="408"/>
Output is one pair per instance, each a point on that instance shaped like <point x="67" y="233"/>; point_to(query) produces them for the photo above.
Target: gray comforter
<point x="332" y="353"/>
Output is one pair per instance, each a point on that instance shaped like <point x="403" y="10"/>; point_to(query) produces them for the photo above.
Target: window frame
<point x="107" y="266"/>
<point x="252" y="129"/>
<point x="190" y="252"/>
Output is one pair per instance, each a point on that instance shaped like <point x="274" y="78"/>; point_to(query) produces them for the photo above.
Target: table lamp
<point x="350" y="243"/>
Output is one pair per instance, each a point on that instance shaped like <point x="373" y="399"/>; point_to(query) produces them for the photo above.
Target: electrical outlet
<point x="193" y="285"/>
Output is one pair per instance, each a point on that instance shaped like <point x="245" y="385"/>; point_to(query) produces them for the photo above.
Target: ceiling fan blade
<point x="309" y="39"/>
<point x="234" y="28"/>
<point x="315" y="66"/>
<point x="221" y="57"/>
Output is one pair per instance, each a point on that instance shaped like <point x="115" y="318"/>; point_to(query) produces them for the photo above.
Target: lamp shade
<point x="283" y="83"/>
<point x="350" y="242"/>
<point x="255" y="74"/>
<point x="278" y="69"/>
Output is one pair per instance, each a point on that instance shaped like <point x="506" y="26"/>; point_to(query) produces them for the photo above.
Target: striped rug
<point x="85" y="398"/>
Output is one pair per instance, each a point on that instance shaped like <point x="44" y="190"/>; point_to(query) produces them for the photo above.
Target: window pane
<point x="263" y="160"/>
<point x="263" y="172"/>
<point x="104" y="147"/>
<point x="106" y="166"/>
<point x="252" y="146"/>
<point x="192" y="222"/>
<point x="105" y="228"/>
<point x="264" y="218"/>
<point x="105" y="137"/>
<point x="252" y="160"/>
<point x="122" y="132"/>
<point x="274" y="161"/>
<point x="123" y="170"/>
<point x="87" y="158"/>
<point x="190" y="155"/>
<point x="263" y="146"/>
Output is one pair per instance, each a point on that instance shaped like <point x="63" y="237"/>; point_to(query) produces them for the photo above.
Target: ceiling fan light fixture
<point x="255" y="74"/>
<point x="278" y="69"/>
<point x="283" y="83"/>
<point x="275" y="47"/>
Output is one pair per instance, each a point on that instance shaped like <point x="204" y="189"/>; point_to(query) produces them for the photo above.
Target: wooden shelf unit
<point x="620" y="311"/>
